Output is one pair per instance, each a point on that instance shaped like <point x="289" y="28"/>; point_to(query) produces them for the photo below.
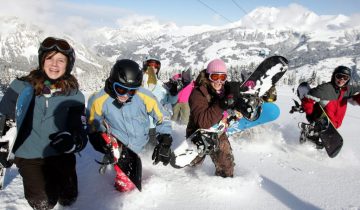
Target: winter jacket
<point x="184" y="94"/>
<point x="332" y="98"/>
<point x="128" y="122"/>
<point x="204" y="110"/>
<point x="44" y="116"/>
<point x="163" y="96"/>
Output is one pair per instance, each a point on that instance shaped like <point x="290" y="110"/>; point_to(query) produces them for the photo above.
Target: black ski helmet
<point x="127" y="73"/>
<point x="59" y="45"/>
<point x="341" y="70"/>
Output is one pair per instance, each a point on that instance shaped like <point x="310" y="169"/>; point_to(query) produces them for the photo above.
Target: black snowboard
<point x="265" y="76"/>
<point x="328" y="134"/>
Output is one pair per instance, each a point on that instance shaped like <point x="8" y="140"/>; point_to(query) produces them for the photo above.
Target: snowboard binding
<point x="310" y="132"/>
<point x="250" y="106"/>
<point x="206" y="142"/>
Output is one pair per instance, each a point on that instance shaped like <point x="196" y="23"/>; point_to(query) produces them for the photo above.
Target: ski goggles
<point x="122" y="90"/>
<point x="216" y="77"/>
<point x="154" y="64"/>
<point x="340" y="76"/>
<point x="55" y="43"/>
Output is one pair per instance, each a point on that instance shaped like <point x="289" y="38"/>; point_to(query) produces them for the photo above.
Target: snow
<point x="272" y="172"/>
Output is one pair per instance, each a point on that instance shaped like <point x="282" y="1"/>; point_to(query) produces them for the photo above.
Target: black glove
<point x="162" y="151"/>
<point x="227" y="102"/>
<point x="174" y="86"/>
<point x="63" y="142"/>
<point x="5" y="125"/>
<point x="98" y="142"/>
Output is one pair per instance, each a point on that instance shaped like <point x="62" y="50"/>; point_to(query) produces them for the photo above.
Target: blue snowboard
<point x="270" y="112"/>
<point x="22" y="105"/>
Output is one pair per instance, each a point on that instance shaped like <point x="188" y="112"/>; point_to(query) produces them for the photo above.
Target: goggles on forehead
<point x="122" y="90"/>
<point x="216" y="77"/>
<point x="340" y="76"/>
<point x="54" y="43"/>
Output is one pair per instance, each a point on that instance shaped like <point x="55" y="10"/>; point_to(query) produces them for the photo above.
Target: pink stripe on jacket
<point x="184" y="94"/>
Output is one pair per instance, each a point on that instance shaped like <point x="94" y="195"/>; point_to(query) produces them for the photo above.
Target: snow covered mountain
<point x="314" y="44"/>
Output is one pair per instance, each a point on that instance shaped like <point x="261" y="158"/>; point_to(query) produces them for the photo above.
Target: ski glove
<point x="62" y="142"/>
<point x="5" y="125"/>
<point x="98" y="142"/>
<point x="162" y="151"/>
<point x="227" y="102"/>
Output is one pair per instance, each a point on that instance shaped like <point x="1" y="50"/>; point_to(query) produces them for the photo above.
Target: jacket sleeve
<point x="205" y="114"/>
<point x="94" y="111"/>
<point x="307" y="105"/>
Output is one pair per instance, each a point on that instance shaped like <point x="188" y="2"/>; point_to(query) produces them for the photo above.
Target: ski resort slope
<point x="272" y="172"/>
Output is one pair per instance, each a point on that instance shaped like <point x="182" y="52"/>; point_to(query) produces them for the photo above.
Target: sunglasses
<point x="58" y="44"/>
<point x="121" y="90"/>
<point x="216" y="77"/>
<point x="154" y="64"/>
<point x="340" y="76"/>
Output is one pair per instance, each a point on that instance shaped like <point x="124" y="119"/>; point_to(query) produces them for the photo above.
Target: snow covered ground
<point x="272" y="172"/>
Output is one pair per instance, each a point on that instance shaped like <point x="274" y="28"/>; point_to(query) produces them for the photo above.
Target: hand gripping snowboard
<point x="322" y="125"/>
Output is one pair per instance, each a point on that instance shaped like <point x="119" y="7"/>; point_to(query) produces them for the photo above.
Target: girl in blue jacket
<point x="51" y="126"/>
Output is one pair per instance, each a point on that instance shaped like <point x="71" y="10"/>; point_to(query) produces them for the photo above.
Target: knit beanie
<point x="216" y="66"/>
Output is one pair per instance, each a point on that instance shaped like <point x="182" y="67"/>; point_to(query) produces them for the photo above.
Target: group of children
<point x="133" y="108"/>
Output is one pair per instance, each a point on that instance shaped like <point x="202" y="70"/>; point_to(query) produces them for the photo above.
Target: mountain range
<point x="313" y="44"/>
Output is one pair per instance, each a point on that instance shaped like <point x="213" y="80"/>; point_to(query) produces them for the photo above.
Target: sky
<point x="114" y="13"/>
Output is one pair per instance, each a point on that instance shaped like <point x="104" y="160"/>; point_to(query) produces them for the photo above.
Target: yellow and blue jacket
<point x="129" y="122"/>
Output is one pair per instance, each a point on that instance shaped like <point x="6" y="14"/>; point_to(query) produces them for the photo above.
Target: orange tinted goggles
<point x="215" y="77"/>
<point x="153" y="64"/>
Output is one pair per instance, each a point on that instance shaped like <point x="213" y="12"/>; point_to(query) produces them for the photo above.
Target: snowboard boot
<point x="309" y="133"/>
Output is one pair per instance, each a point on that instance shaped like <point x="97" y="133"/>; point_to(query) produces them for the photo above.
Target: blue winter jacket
<point x="164" y="97"/>
<point x="129" y="122"/>
<point x="44" y="116"/>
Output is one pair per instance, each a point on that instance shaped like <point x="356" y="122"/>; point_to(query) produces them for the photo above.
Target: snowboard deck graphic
<point x="127" y="165"/>
<point x="270" y="112"/>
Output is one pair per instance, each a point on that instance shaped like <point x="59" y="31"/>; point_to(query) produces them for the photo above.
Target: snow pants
<point x="181" y="113"/>
<point x="49" y="180"/>
<point x="222" y="158"/>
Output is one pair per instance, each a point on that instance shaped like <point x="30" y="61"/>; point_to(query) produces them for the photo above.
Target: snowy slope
<point x="272" y="172"/>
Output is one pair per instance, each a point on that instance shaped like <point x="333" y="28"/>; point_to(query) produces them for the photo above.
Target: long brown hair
<point x="203" y="79"/>
<point x="37" y="77"/>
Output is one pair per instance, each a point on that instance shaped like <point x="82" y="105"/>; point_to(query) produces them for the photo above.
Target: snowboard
<point x="127" y="164"/>
<point x="6" y="156"/>
<point x="270" y="112"/>
<point x="321" y="126"/>
<point x="187" y="151"/>
<point x="205" y="141"/>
